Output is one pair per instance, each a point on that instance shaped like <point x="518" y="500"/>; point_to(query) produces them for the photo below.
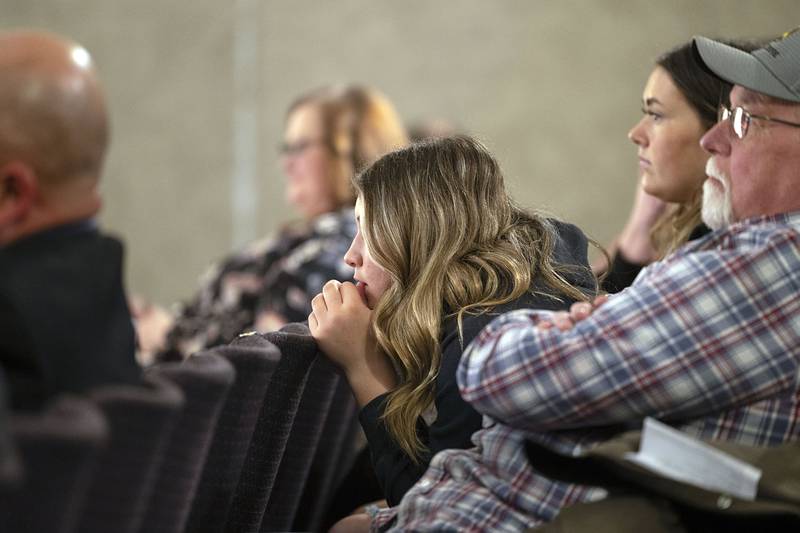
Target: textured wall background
<point x="551" y="85"/>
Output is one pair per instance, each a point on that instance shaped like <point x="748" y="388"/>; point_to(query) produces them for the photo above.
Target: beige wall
<point x="551" y="85"/>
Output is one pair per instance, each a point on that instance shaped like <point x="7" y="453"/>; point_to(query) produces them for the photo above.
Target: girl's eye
<point x="653" y="115"/>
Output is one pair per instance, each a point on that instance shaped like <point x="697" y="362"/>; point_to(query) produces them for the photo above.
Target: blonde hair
<point x="438" y="220"/>
<point x="360" y="124"/>
<point x="675" y="227"/>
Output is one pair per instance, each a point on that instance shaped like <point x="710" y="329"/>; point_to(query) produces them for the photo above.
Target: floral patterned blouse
<point x="269" y="283"/>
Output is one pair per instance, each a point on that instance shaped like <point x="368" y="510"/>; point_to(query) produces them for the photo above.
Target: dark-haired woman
<point x="679" y="104"/>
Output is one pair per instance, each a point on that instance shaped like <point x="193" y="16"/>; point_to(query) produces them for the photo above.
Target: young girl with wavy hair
<point x="440" y="250"/>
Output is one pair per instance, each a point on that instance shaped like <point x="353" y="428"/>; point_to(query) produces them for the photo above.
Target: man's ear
<point x="18" y="189"/>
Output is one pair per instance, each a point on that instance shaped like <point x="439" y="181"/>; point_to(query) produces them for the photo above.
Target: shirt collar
<point x="59" y="232"/>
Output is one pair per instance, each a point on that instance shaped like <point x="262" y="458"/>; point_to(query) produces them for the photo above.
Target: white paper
<point x="672" y="454"/>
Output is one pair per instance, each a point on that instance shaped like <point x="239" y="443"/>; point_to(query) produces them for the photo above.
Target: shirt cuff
<point x="374" y="428"/>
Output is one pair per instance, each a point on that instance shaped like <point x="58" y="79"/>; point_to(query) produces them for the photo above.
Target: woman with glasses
<point x="680" y="103"/>
<point x="440" y="251"/>
<point x="330" y="134"/>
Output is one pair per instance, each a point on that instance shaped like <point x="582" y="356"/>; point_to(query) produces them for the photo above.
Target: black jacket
<point x="64" y="319"/>
<point x="622" y="272"/>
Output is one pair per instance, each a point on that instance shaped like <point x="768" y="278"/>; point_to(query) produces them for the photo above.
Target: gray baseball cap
<point x="773" y="70"/>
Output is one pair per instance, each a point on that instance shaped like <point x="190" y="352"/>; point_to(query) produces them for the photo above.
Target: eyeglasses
<point x="297" y="148"/>
<point x="740" y="120"/>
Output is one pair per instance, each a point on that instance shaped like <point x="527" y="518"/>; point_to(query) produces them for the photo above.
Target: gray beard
<point x="717" y="210"/>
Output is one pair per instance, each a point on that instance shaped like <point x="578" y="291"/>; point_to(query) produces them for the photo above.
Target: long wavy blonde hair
<point x="437" y="218"/>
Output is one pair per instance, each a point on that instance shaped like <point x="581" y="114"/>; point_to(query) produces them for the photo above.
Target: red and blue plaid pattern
<point x="707" y="340"/>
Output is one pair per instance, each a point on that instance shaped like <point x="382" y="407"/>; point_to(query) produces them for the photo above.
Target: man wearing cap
<point x="64" y="320"/>
<point x="707" y="340"/>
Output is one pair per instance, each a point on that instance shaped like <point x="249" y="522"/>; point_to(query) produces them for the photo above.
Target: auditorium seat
<point x="254" y="364"/>
<point x="272" y="430"/>
<point x="59" y="448"/>
<point x="140" y="419"/>
<point x="204" y="379"/>
<point x="333" y="458"/>
<point x="304" y="437"/>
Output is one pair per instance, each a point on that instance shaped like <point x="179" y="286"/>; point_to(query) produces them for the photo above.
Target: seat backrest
<point x="271" y="434"/>
<point x="301" y="447"/>
<point x="334" y="455"/>
<point x="254" y="364"/>
<point x="59" y="448"/>
<point x="204" y="379"/>
<point x="140" y="419"/>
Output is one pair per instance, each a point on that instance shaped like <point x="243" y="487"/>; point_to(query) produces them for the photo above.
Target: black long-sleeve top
<point x="455" y="420"/>
<point x="622" y="272"/>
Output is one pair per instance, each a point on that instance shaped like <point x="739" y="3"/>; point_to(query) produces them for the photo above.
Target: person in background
<point x="440" y="251"/>
<point x="679" y="104"/>
<point x="64" y="319"/>
<point x="433" y="128"/>
<point x="330" y="134"/>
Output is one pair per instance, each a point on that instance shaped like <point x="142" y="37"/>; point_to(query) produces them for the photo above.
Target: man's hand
<point x="566" y="320"/>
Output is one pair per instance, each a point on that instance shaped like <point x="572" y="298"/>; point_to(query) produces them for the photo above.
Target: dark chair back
<point x="334" y="455"/>
<point x="140" y="419"/>
<point x="59" y="449"/>
<point x="298" y="351"/>
<point x="254" y="364"/>
<point x="301" y="447"/>
<point x="204" y="380"/>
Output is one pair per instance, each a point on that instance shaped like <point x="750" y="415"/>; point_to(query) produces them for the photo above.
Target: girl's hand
<point x="341" y="323"/>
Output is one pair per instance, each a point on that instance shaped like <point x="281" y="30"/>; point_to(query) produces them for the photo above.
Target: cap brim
<point x="740" y="68"/>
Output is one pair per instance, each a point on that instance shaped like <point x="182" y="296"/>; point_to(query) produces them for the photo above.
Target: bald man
<point x="64" y="320"/>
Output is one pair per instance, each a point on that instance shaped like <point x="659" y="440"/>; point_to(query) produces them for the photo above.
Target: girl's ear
<point x="18" y="189"/>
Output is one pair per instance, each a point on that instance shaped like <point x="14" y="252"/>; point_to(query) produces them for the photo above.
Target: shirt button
<point x="724" y="502"/>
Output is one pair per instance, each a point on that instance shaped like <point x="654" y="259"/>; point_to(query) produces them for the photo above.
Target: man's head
<point x="759" y="171"/>
<point x="53" y="133"/>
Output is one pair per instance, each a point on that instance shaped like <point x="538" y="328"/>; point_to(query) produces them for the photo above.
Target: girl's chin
<point x="650" y="186"/>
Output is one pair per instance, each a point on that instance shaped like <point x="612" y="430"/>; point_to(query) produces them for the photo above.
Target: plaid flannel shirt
<point x="707" y="340"/>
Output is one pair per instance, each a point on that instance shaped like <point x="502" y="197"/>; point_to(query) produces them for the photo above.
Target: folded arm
<point x="706" y="332"/>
